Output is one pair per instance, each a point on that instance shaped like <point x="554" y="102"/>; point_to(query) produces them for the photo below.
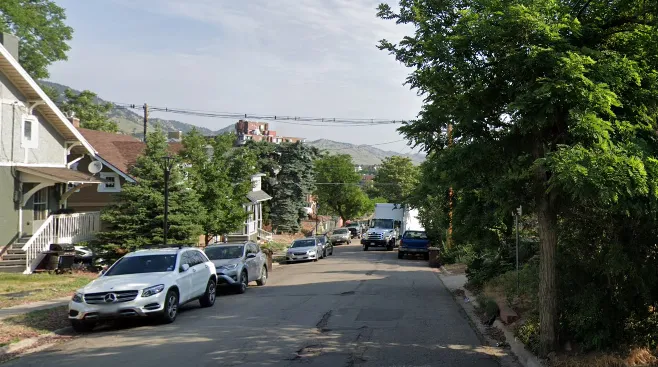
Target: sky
<point x="315" y="58"/>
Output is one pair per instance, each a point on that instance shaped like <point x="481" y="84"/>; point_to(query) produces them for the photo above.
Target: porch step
<point x="15" y="252"/>
<point x="12" y="262"/>
<point x="12" y="268"/>
<point x="20" y="256"/>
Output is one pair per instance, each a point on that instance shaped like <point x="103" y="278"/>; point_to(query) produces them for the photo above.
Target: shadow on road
<point x="353" y="309"/>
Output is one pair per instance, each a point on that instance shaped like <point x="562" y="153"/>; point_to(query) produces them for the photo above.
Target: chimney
<point x="75" y="121"/>
<point x="10" y="42"/>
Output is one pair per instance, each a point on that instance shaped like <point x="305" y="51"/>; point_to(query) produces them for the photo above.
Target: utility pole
<point x="146" y="119"/>
<point x="517" y="214"/>
<point x="450" y="194"/>
<point x="168" y="164"/>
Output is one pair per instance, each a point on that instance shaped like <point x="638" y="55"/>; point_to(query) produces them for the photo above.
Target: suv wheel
<point x="170" y="307"/>
<point x="263" y="276"/>
<point x="82" y="326"/>
<point x="400" y="254"/>
<point x="365" y="247"/>
<point x="243" y="281"/>
<point x="208" y="298"/>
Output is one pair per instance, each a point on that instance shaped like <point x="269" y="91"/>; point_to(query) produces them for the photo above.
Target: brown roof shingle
<point x="121" y="151"/>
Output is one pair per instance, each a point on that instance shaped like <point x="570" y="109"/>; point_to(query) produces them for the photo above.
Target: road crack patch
<point x="322" y="324"/>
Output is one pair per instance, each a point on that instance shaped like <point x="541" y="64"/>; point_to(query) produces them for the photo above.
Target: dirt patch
<point x="635" y="357"/>
<point x="287" y="238"/>
<point x="33" y="324"/>
<point x="456" y="268"/>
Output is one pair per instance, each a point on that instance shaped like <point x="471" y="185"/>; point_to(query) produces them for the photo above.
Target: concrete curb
<point x="517" y="349"/>
<point x="26" y="345"/>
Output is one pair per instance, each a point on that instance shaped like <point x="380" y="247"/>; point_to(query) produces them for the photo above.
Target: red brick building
<point x="260" y="131"/>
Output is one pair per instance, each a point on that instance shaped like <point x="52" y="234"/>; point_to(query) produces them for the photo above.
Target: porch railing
<point x="62" y="229"/>
<point x="264" y="234"/>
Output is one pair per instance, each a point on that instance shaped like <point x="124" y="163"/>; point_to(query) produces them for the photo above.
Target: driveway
<point x="352" y="309"/>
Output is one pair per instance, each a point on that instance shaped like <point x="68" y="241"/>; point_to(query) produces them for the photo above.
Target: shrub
<point x="487" y="306"/>
<point x="528" y="332"/>
<point x="527" y="294"/>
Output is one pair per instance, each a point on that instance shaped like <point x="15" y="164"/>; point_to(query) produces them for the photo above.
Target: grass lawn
<point x="17" y="289"/>
<point x="17" y="328"/>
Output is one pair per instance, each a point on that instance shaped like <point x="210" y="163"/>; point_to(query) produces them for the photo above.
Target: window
<point x="40" y="204"/>
<point x="111" y="184"/>
<point x="30" y="137"/>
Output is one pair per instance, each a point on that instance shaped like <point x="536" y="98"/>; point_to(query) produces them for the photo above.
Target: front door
<point x="40" y="210"/>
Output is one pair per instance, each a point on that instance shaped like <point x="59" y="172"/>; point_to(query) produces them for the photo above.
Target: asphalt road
<point x="354" y="308"/>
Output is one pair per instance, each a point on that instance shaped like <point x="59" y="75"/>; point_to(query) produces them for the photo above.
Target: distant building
<point x="260" y="131"/>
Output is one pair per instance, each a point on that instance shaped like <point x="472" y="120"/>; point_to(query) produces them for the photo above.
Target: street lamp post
<point x="517" y="214"/>
<point x="168" y="163"/>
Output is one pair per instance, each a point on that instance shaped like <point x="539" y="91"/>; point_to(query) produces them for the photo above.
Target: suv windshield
<point x="224" y="252"/>
<point x="341" y="231"/>
<point x="383" y="223"/>
<point x="303" y="243"/>
<point x="419" y="235"/>
<point x="143" y="264"/>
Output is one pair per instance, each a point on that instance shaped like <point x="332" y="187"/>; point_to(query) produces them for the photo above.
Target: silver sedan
<point x="303" y="250"/>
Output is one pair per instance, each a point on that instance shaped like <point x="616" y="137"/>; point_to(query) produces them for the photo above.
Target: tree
<point x="92" y="114"/>
<point x="396" y="179"/>
<point x="136" y="219"/>
<point x="338" y="188"/>
<point x="554" y="96"/>
<point x="222" y="177"/>
<point x="42" y="33"/>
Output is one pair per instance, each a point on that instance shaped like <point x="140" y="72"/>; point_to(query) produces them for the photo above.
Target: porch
<point x="40" y="196"/>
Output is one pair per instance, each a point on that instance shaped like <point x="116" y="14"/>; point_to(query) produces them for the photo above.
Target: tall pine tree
<point x="136" y="220"/>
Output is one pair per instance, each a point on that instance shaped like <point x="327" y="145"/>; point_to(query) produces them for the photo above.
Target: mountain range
<point x="131" y="123"/>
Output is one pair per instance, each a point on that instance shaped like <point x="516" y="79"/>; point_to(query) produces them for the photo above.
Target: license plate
<point x="372" y="243"/>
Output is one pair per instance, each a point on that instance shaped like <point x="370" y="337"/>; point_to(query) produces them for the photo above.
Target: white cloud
<point x="303" y="57"/>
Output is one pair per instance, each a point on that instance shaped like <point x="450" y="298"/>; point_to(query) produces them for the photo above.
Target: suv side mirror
<point x="184" y="268"/>
<point x="251" y="256"/>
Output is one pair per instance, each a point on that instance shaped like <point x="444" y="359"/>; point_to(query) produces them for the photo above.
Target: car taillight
<point x="401" y="242"/>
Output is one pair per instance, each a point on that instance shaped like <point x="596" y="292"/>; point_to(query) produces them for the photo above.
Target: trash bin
<point x="61" y="257"/>
<point x="434" y="257"/>
<point x="269" y="253"/>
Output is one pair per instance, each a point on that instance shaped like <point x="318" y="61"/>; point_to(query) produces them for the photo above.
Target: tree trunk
<point x="547" y="277"/>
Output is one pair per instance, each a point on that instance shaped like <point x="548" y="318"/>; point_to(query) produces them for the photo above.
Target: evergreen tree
<point x="294" y="182"/>
<point x="222" y="179"/>
<point x="136" y="219"/>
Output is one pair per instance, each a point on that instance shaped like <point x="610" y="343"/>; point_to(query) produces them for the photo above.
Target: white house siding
<point x="51" y="148"/>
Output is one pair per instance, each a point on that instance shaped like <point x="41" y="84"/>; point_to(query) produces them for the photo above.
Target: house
<point x="260" y="131"/>
<point x="253" y="225"/>
<point x="36" y="181"/>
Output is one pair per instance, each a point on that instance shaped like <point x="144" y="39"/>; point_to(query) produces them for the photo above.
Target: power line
<point x="294" y="120"/>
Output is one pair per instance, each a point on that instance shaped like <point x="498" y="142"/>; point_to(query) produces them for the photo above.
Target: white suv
<point x="145" y="283"/>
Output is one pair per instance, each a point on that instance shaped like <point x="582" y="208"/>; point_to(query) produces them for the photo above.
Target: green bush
<point x="528" y="289"/>
<point x="487" y="306"/>
<point x="528" y="333"/>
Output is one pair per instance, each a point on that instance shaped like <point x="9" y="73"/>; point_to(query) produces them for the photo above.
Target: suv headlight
<point x="151" y="291"/>
<point x="77" y="297"/>
<point x="229" y="267"/>
<point x="310" y="252"/>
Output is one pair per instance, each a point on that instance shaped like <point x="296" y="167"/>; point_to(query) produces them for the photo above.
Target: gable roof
<point x="119" y="151"/>
<point x="34" y="94"/>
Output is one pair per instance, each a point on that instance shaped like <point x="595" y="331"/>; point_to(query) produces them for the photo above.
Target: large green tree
<point x="92" y="113"/>
<point x="294" y="181"/>
<point x="396" y="179"/>
<point x="555" y="96"/>
<point x="221" y="175"/>
<point x="136" y="219"/>
<point x="42" y="31"/>
<point x="338" y="189"/>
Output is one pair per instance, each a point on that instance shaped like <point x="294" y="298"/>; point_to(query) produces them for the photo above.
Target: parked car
<point x="238" y="264"/>
<point x="356" y="229"/>
<point x="145" y="283"/>
<point x="414" y="242"/>
<point x="341" y="236"/>
<point x="326" y="246"/>
<point x="303" y="250"/>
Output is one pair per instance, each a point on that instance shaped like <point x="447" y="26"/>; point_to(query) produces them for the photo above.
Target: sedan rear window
<point x="419" y="235"/>
<point x="143" y="264"/>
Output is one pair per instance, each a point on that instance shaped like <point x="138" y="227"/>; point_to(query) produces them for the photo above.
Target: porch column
<point x="260" y="215"/>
